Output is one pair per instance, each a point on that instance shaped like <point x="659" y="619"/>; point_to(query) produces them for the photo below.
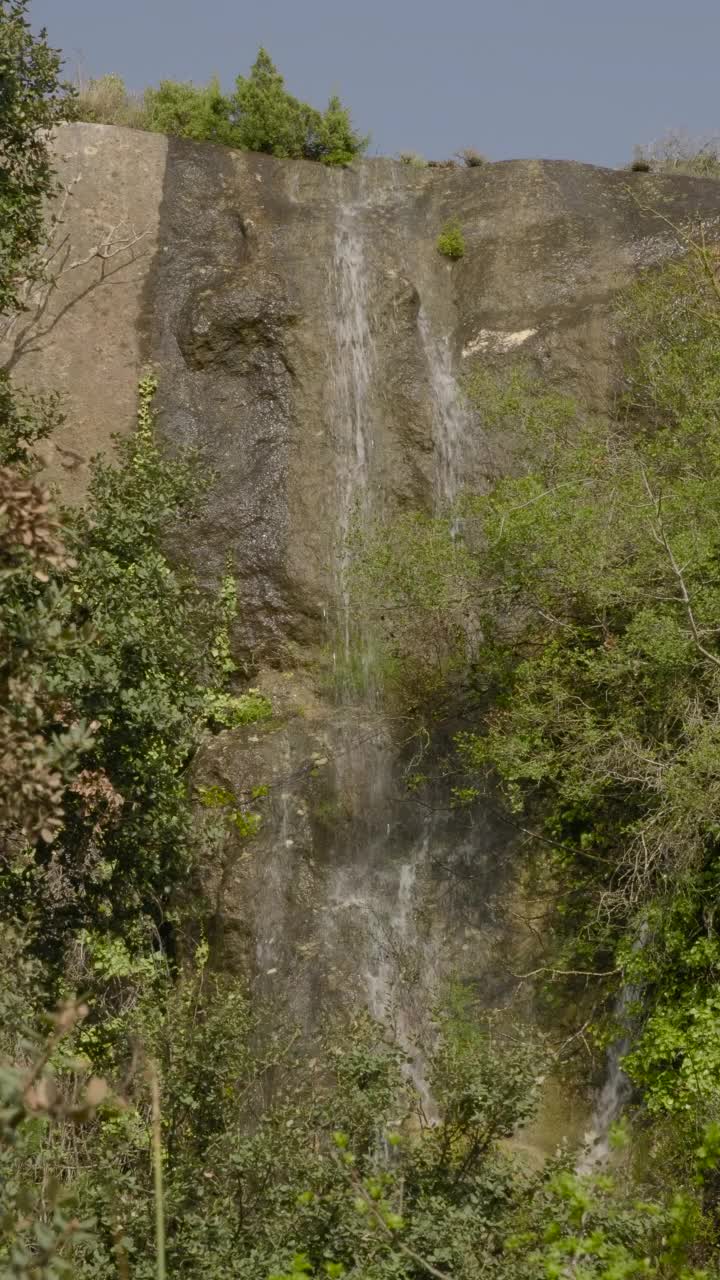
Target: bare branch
<point x="660" y="536"/>
<point x="569" y="973"/>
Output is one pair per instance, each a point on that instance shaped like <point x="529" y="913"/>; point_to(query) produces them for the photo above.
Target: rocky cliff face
<point x="310" y="340"/>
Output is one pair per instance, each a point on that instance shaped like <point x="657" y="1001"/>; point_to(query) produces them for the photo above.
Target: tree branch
<point x="660" y="536"/>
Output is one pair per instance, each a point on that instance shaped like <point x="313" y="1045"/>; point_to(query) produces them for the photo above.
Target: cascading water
<point x="617" y="1088"/>
<point x="372" y="897"/>
<point x="450" y="415"/>
<point x="351" y="375"/>
<point x="611" y="1102"/>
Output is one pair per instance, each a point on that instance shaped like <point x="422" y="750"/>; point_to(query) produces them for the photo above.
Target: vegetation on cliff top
<point x="259" y="115"/>
<point x="679" y="153"/>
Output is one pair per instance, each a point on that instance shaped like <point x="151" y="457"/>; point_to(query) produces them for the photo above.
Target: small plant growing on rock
<point x="678" y="152"/>
<point x="640" y="162"/>
<point x="230" y="711"/>
<point x="413" y="159"/>
<point x="471" y="158"/>
<point x="451" y="242"/>
<point x="107" y="100"/>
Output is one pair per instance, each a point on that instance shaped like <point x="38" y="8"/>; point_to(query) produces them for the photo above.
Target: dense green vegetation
<point x="579" y="609"/>
<point x="158" y="1123"/>
<point x="260" y="115"/>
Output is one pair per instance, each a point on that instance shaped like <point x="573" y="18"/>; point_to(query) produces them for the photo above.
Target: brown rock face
<point x="309" y="337"/>
<point x="310" y="341"/>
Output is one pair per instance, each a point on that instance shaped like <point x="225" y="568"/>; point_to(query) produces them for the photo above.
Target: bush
<point x="679" y="153"/>
<point x="189" y="111"/>
<point x="267" y="118"/>
<point x="107" y="101"/>
<point x="471" y="158"/>
<point x="259" y="116"/>
<point x="451" y="242"/>
<point x="33" y="101"/>
<point x="115" y="637"/>
<point x="412" y="158"/>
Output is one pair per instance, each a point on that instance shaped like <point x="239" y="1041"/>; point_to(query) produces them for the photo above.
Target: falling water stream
<point x="376" y="894"/>
<point x="617" y="1088"/>
<point x="450" y="416"/>
<point x="352" y="378"/>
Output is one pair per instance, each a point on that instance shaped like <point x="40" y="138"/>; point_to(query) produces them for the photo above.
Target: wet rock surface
<point x="311" y="343"/>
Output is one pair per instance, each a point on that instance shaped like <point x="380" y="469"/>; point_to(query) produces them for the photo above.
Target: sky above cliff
<point x="580" y="79"/>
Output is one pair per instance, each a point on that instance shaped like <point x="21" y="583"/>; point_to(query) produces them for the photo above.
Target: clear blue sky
<point x="584" y="79"/>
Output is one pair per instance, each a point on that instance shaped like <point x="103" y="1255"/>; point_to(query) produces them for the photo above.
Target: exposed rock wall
<point x="237" y="287"/>
<point x="310" y="341"/>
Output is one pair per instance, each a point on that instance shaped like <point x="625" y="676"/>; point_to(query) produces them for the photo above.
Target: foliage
<point x="413" y="159"/>
<point x="451" y="241"/>
<point x="189" y="111"/>
<point x="260" y="115"/>
<point x="591" y="645"/>
<point x="275" y="1164"/>
<point x="119" y="640"/>
<point x="229" y="711"/>
<point x="25" y="419"/>
<point x="471" y="158"/>
<point x="267" y="118"/>
<point x="38" y="752"/>
<point x="267" y="1154"/>
<point x="106" y="100"/>
<point x="679" y="153"/>
<point x="32" y="101"/>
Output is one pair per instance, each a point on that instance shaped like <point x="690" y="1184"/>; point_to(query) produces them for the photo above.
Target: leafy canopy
<point x="32" y="101"/>
<point x="259" y="115"/>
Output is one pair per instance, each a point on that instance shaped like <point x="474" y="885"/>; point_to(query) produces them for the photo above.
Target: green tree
<point x="268" y="118"/>
<point x="145" y="671"/>
<point x="33" y="100"/>
<point x="190" y="111"/>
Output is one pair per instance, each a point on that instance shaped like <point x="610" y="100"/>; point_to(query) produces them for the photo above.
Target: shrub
<point x="678" y="152"/>
<point x="32" y="101"/>
<point x="107" y="101"/>
<point x="259" y="116"/>
<point x="267" y="118"/>
<point x="337" y="142"/>
<point x="189" y="111"/>
<point x="412" y="158"/>
<point x="122" y="640"/>
<point x="640" y="165"/>
<point x="471" y="158"/>
<point x="451" y="242"/>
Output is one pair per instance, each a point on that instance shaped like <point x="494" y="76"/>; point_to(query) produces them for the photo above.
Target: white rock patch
<point x="497" y="340"/>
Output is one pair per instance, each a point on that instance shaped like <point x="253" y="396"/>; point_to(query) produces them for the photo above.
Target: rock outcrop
<point x="309" y="336"/>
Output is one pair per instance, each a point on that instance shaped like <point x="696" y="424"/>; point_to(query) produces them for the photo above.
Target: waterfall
<point x="617" y="1088"/>
<point x="372" y="894"/>
<point x="610" y="1104"/>
<point x="375" y="902"/>
<point x="451" y="419"/>
<point x="351" y="375"/>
